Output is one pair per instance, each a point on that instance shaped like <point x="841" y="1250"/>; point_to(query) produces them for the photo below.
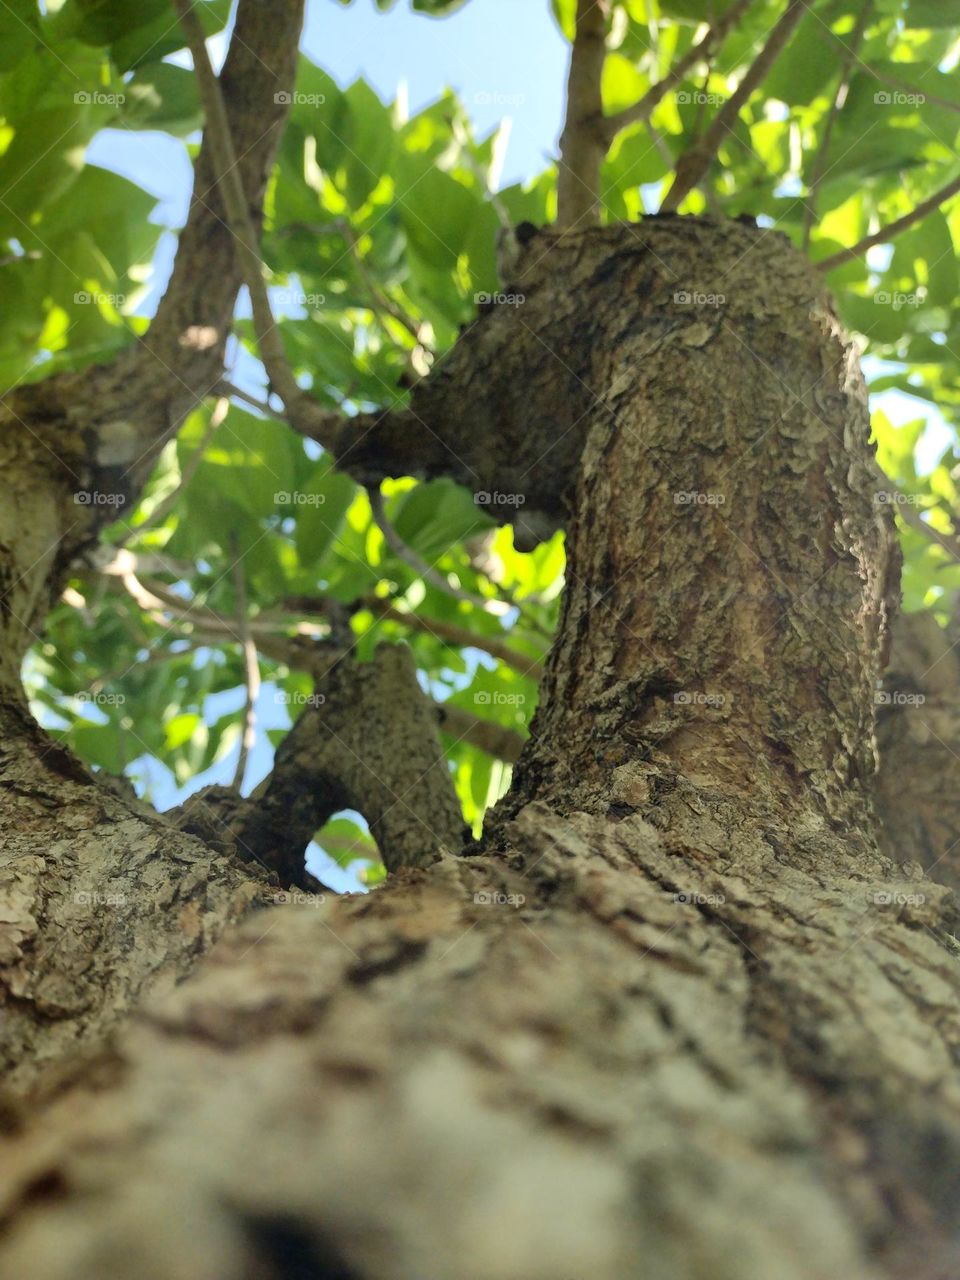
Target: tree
<point x="683" y="1003"/>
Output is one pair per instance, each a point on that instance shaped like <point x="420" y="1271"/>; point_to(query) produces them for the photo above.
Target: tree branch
<point x="582" y="144"/>
<point x="229" y="184"/>
<point x="692" y="166"/>
<point x="163" y="509"/>
<point x="892" y="229"/>
<point x="708" y="44"/>
<point x="367" y="740"/>
<point x="487" y="735"/>
<point x="459" y="637"/>
<point x="251" y="667"/>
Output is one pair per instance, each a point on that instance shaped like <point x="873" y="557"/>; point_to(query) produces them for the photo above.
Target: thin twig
<point x="693" y="165"/>
<point x="420" y="566"/>
<point x="839" y="98"/>
<point x="884" y="77"/>
<point x="458" y="637"/>
<point x="230" y="187"/>
<point x="707" y="45"/>
<point x="251" y="667"/>
<point x="163" y="509"/>
<point x="892" y="229"/>
<point x="235" y="393"/>
<point x="906" y="509"/>
<point x="381" y="301"/>
<point x="581" y="143"/>
<point x="487" y="735"/>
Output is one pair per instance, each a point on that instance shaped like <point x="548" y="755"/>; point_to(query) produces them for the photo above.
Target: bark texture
<point x="680" y="1018"/>
<point x="368" y="741"/>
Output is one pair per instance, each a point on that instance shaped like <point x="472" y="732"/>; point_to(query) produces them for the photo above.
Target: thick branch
<point x="581" y="143"/>
<point x="366" y="740"/>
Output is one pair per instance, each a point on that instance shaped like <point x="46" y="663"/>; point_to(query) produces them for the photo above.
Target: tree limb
<point x="692" y="166"/>
<point x="887" y="233"/>
<point x="581" y="143"/>
<point x="163" y="509"/>
<point x="251" y="668"/>
<point x="366" y="740"/>
<point x="459" y="637"/>
<point x="496" y="740"/>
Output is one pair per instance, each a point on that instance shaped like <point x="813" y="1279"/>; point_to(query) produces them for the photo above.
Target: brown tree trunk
<point x="680" y="1018"/>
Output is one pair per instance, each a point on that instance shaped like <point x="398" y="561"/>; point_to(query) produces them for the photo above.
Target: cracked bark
<point x="680" y="1017"/>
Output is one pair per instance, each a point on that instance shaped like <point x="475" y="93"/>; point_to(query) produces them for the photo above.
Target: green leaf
<point x="328" y="495"/>
<point x="163" y="96"/>
<point x="432" y="517"/>
<point x="19" y="31"/>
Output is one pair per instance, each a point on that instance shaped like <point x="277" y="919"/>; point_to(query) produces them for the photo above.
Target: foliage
<point x="380" y="231"/>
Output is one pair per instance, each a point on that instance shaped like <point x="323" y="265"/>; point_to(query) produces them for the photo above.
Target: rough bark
<point x="681" y="1018"/>
<point x="368" y="741"/>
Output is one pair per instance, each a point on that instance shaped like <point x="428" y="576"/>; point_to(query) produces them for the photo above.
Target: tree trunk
<point x="679" y="1018"/>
